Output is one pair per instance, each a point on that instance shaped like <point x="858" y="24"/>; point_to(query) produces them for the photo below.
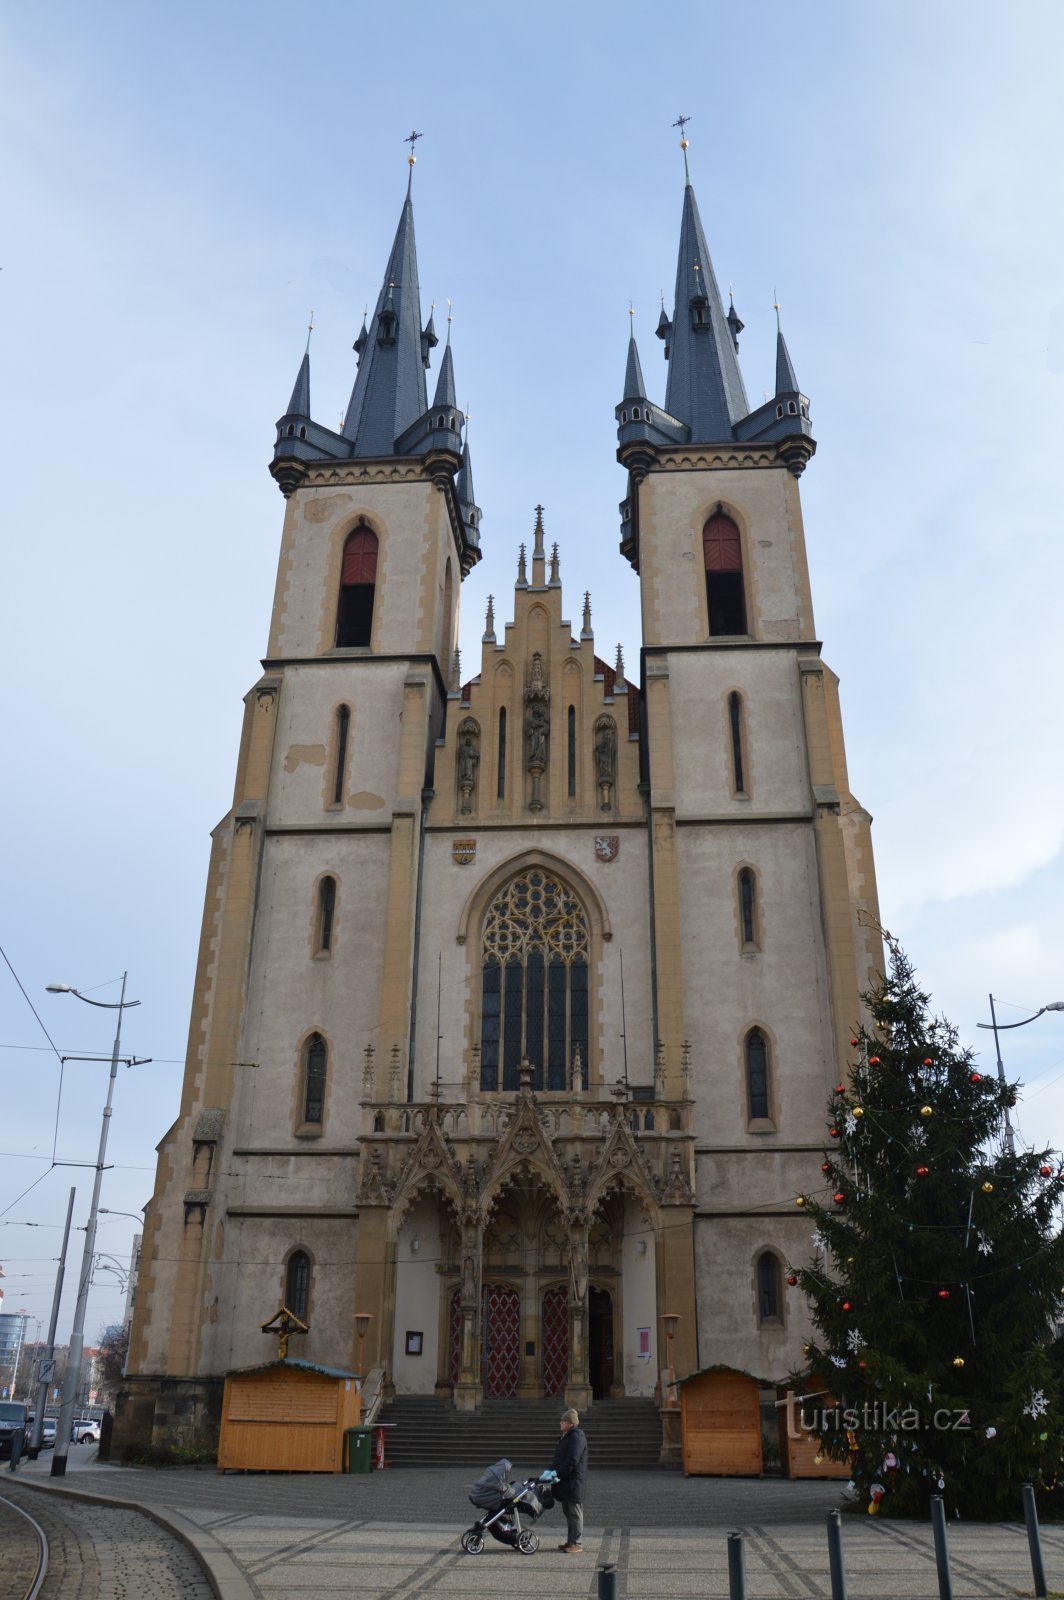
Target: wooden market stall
<point x="801" y="1453"/>
<point x="287" y="1416"/>
<point x="721" y="1421"/>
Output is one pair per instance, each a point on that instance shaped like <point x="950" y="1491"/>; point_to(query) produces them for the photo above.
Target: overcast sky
<point x="183" y="183"/>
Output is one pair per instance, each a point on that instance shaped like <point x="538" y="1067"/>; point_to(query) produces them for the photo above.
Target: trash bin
<point x="359" y="1449"/>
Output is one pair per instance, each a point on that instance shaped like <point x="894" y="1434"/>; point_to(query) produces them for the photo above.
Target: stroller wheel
<point x="473" y="1542"/>
<point x="528" y="1543"/>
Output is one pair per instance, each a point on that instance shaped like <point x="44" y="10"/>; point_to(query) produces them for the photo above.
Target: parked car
<point x="12" y="1417"/>
<point x="47" y="1432"/>
<point x="86" y="1430"/>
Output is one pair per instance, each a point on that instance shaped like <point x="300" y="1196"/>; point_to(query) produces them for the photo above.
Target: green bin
<point x="360" y="1449"/>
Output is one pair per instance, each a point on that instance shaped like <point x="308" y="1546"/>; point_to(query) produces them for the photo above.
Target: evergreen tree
<point x="936" y="1282"/>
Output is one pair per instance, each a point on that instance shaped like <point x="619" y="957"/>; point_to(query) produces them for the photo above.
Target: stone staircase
<point x="431" y="1433"/>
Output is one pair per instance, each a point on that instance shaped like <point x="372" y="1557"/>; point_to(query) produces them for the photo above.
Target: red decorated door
<point x="501" y="1332"/>
<point x="555" y="1337"/>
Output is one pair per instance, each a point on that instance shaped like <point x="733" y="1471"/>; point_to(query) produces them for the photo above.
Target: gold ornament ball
<point x="858" y="1111"/>
<point x="926" y="1111"/>
<point x="807" y="1349"/>
<point x="988" y="1187"/>
<point x="800" y="1201"/>
<point x="958" y="1361"/>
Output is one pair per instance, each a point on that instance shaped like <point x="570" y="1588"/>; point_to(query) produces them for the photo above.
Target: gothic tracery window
<point x="535" y="989"/>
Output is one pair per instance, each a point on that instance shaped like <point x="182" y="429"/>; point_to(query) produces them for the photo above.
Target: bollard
<point x="736" y="1567"/>
<point x="1034" y="1539"/>
<point x="938" y="1524"/>
<point x="838" y="1571"/>
<point x="607" y="1582"/>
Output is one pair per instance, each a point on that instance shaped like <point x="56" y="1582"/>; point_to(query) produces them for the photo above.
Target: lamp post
<point x="670" y="1319"/>
<point x="996" y="1026"/>
<point x="77" y="1331"/>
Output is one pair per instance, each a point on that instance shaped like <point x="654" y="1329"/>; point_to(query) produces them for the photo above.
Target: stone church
<point x="518" y="999"/>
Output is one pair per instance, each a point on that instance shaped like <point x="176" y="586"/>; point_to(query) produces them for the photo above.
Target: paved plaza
<point x="394" y="1536"/>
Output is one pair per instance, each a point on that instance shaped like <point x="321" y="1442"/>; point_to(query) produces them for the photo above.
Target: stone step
<point x="429" y="1432"/>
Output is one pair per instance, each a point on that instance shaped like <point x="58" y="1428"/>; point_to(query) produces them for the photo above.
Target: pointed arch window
<point x="501" y="786"/>
<point x="757" y="1100"/>
<point x="571" y="750"/>
<point x="534" y="982"/>
<point x="748" y="909"/>
<point x="343" y="729"/>
<point x="297" y="1284"/>
<point x="735" y="731"/>
<point x="326" y="913"/>
<point x="358" y="584"/>
<point x="769" y="1295"/>
<point x="722" y="549"/>
<point x="315" y="1062"/>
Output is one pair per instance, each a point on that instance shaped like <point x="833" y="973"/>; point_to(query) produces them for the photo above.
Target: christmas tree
<point x="936" y="1280"/>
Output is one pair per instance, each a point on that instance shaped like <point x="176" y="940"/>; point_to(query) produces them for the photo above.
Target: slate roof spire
<point x="705" y="388"/>
<point x="389" y="392"/>
<point x="786" y="382"/>
<point x="634" y="387"/>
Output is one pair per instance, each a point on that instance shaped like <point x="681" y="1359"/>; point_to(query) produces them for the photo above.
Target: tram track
<point x="26" y="1552"/>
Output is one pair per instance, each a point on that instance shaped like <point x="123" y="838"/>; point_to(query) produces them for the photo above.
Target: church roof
<point x="389" y="392"/>
<point x="299" y="405"/>
<point x="786" y="382"/>
<point x="705" y="388"/>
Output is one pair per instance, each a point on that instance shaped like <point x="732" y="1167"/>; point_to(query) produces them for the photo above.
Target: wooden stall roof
<point x="290" y="1364"/>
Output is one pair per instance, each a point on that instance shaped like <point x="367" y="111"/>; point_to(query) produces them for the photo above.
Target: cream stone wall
<point x="674" y="507"/>
<point x="639" y="1289"/>
<point x="417" y="1299"/>
<point x="726" y="1253"/>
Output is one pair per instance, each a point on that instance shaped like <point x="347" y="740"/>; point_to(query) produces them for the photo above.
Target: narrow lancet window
<point x="502" y="754"/>
<point x="343" y="727"/>
<point x="757" y="1075"/>
<point x="297" y="1284"/>
<point x="735" y="728"/>
<point x="358" y="583"/>
<point x="747" y="909"/>
<point x="723" y="552"/>
<point x="314" y="1065"/>
<point x="326" y="912"/>
<point x="768" y="1288"/>
<point x="572" y="752"/>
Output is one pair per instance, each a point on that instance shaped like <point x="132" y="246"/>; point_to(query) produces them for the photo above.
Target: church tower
<point x="519" y="998"/>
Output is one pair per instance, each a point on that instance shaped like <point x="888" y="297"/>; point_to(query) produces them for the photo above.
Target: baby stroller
<point x="502" y="1503"/>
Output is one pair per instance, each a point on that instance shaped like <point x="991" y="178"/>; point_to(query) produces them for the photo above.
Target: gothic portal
<point x="519" y="999"/>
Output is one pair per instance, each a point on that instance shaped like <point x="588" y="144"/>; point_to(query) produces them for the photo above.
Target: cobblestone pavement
<point x="18" y="1549"/>
<point x="103" y="1553"/>
<point x="394" y="1536"/>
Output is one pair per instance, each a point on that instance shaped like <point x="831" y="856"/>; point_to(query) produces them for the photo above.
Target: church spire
<point x="389" y="392"/>
<point x="705" y="387"/>
<point x="786" y="382"/>
<point x="299" y="405"/>
<point x="634" y="387"/>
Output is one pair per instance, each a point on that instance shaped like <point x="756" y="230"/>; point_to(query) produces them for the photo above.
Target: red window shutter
<point x="360" y="558"/>
<point x="722" y="546"/>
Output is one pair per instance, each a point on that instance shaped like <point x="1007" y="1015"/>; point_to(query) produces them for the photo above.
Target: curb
<point x="222" y="1571"/>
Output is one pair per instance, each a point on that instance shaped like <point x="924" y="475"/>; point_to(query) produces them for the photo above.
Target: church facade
<point x="518" y="1001"/>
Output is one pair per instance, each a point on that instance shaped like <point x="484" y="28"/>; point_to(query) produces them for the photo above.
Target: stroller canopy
<point x="492" y="1487"/>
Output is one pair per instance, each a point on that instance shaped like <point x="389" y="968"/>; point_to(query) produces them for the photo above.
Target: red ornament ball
<point x="853" y="1044"/>
<point x="1046" y="1172"/>
<point x="862" y="1365"/>
<point x="834" y="1132"/>
<point x="792" y="1279"/>
<point x="976" y="1077"/>
<point x="825" y="1166"/>
<point x="928" y="1062"/>
<point x="873" y="1061"/>
<point x="840" y="1088"/>
<point x="847" y="1305"/>
<point x="839" y="1197"/>
<point x="922" y="1172"/>
<point x="943" y="1294"/>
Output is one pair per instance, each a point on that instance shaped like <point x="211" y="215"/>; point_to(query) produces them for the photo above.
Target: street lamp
<point x="1054" y="1005"/>
<point x="670" y="1319"/>
<point x="77" y="1332"/>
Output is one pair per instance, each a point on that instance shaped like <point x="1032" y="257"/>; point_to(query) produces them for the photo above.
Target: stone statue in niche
<point x="605" y="760"/>
<point x="536" y="725"/>
<point x="537" y="728"/>
<point x="468" y="762"/>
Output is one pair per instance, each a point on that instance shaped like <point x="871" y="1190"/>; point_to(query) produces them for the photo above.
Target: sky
<point x="184" y="183"/>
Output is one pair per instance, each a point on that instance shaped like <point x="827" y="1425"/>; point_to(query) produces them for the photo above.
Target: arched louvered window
<point x="769" y="1297"/>
<point x="535" y="982"/>
<point x="748" y="909"/>
<point x="297" y="1284"/>
<point x="358" y="583"/>
<point x="315" y="1058"/>
<point x="735" y="730"/>
<point x="326" y="913"/>
<point x="723" y="552"/>
<point x="756" y="1051"/>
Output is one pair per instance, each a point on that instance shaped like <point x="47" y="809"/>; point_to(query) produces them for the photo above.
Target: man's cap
<point x="571" y="1416"/>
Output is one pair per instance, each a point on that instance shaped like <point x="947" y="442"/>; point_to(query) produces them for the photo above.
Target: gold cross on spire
<point x="681" y="122"/>
<point x="411" y="139"/>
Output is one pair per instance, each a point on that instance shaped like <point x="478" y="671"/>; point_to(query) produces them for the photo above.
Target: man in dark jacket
<point x="570" y="1463"/>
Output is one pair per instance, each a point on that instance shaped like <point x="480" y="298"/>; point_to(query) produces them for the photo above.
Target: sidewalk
<point x="395" y="1534"/>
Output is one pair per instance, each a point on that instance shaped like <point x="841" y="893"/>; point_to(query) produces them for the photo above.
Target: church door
<point x="554" y="1334"/>
<point x="600" y="1342"/>
<point x="500" y="1324"/>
